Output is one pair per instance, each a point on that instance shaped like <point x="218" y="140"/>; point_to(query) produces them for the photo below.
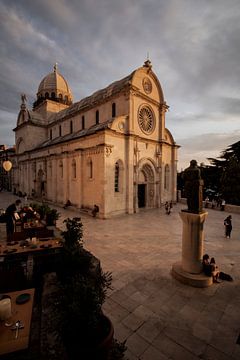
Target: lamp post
<point x="7" y="166"/>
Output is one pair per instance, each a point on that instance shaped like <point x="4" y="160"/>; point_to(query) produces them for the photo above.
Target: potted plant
<point x="51" y="216"/>
<point x="46" y="213"/>
<point x="86" y="331"/>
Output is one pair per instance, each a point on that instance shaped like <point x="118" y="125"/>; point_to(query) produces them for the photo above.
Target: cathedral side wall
<point x="105" y="114"/>
<point x="30" y="136"/>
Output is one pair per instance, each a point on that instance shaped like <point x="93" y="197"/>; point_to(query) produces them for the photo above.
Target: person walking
<point x="228" y="226"/>
<point x="167" y="208"/>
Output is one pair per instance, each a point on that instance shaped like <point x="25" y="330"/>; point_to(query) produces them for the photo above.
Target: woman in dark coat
<point x="228" y="226"/>
<point x="9" y="216"/>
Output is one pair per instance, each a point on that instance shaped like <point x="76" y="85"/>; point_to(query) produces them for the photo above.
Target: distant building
<point x="111" y="148"/>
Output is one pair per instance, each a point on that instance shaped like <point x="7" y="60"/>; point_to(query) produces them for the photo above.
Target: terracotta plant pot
<point x="106" y="343"/>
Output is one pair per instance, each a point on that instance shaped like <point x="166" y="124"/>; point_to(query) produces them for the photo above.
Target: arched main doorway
<point x="145" y="189"/>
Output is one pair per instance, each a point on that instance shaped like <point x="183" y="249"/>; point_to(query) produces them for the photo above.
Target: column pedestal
<point x="189" y="270"/>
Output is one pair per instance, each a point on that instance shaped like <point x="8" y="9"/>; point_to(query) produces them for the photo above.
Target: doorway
<point x="141" y="195"/>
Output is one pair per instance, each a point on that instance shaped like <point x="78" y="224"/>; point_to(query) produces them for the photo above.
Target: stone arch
<point x="146" y="185"/>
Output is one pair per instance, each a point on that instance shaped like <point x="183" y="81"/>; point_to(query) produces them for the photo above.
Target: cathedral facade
<point x="111" y="149"/>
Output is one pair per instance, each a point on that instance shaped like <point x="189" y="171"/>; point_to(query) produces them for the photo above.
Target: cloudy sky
<point x="194" y="46"/>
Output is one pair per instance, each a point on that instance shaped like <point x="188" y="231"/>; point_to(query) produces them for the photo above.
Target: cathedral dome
<point x="54" y="87"/>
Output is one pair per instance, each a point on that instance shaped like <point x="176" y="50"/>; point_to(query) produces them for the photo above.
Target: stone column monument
<point x="189" y="270"/>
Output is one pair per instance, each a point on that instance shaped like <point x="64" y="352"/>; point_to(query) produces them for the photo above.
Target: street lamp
<point x="5" y="168"/>
<point x="7" y="165"/>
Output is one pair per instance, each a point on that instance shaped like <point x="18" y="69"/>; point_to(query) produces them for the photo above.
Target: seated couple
<point x="210" y="268"/>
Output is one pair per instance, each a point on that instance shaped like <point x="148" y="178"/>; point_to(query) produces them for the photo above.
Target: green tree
<point x="229" y="165"/>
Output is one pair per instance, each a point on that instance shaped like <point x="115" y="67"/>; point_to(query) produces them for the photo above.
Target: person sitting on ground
<point x="215" y="271"/>
<point x="95" y="210"/>
<point x="210" y="268"/>
<point x="207" y="269"/>
<point x="68" y="203"/>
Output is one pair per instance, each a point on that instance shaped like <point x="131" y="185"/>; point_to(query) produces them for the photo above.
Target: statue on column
<point x="23" y="98"/>
<point x="193" y="185"/>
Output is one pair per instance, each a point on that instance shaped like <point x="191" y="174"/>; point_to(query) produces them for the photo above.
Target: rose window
<point x="146" y="119"/>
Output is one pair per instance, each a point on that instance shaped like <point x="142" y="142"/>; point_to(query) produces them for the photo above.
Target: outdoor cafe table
<point x="23" y="312"/>
<point x="43" y="247"/>
<point x="42" y="244"/>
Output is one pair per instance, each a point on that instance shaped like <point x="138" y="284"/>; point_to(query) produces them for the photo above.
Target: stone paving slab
<point x="159" y="317"/>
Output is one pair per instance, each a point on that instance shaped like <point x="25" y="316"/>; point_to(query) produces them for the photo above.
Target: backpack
<point x="224" y="276"/>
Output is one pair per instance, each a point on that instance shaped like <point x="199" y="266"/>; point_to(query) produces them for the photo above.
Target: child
<point x="215" y="271"/>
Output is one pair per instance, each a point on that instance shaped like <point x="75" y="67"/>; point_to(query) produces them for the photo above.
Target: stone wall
<point x="228" y="208"/>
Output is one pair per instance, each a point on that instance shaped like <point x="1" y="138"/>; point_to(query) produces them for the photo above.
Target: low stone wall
<point x="232" y="209"/>
<point x="228" y="208"/>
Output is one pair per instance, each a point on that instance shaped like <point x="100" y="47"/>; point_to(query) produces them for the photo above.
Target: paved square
<point x="159" y="317"/>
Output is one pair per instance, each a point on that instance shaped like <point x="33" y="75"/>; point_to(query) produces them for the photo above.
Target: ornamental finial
<point x="55" y="67"/>
<point x="147" y="63"/>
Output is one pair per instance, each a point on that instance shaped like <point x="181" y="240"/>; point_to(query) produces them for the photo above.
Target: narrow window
<point x="53" y="95"/>
<point x="60" y="96"/>
<point x="97" y="117"/>
<point x="116" y="182"/>
<point x="90" y="169"/>
<point x="74" y="169"/>
<point x="60" y="130"/>
<point x="71" y="127"/>
<point x="50" y="169"/>
<point x="46" y="95"/>
<point x="166" y="177"/>
<point x="83" y="122"/>
<point x="50" y="134"/>
<point x="113" y="109"/>
<point x="61" y="169"/>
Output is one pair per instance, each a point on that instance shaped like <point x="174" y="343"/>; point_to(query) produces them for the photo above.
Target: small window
<point x="113" y="109"/>
<point x="116" y="182"/>
<point x="83" y="122"/>
<point x="60" y="96"/>
<point x="97" y="117"/>
<point x="60" y="130"/>
<point x="71" y="127"/>
<point x="53" y="95"/>
<point x="46" y="95"/>
<point x="50" y="134"/>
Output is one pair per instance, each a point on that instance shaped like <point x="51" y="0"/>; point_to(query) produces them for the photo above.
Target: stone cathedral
<point x="111" y="148"/>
